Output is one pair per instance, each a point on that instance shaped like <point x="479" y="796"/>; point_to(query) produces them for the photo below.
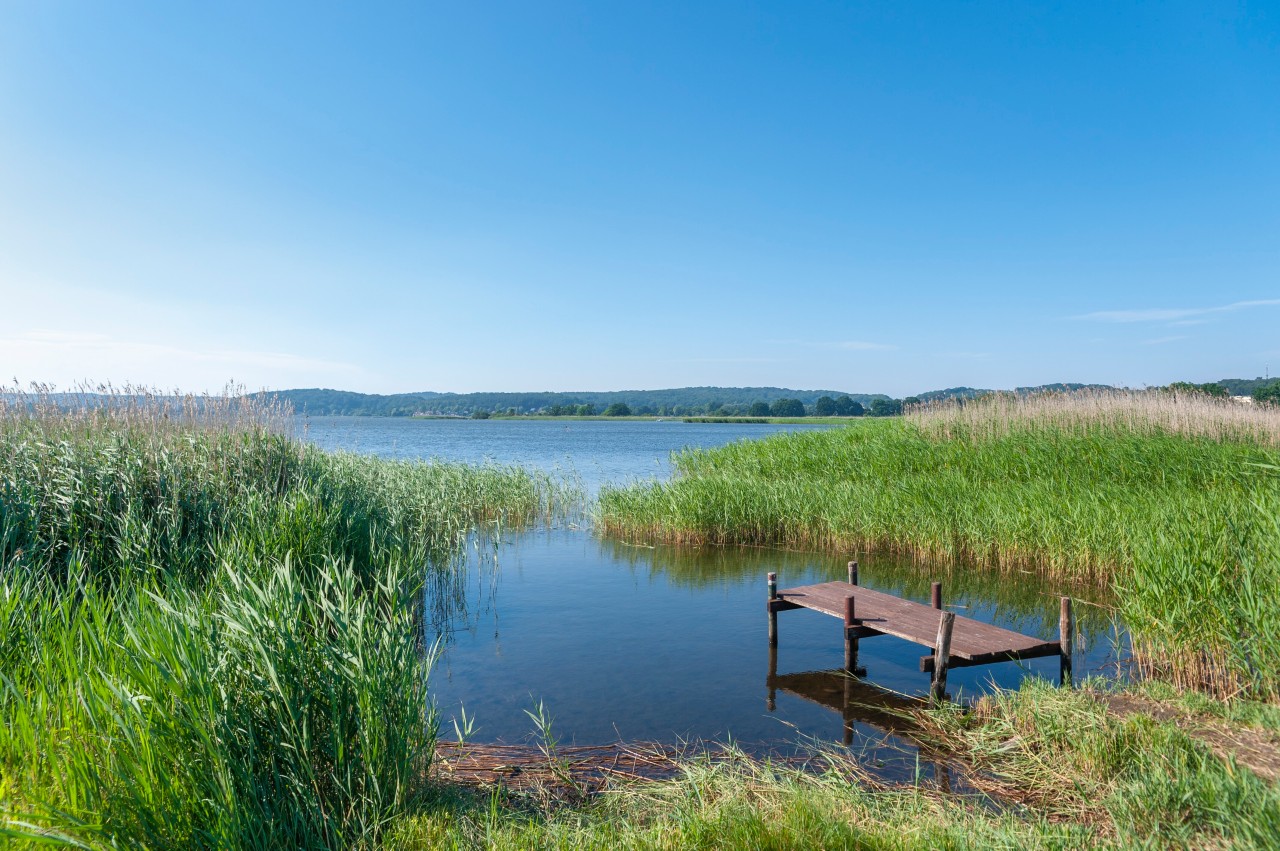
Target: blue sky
<point x="559" y="196"/>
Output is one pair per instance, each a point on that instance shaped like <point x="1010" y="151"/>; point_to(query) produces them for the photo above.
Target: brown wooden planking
<point x="885" y="614"/>
<point x="1046" y="649"/>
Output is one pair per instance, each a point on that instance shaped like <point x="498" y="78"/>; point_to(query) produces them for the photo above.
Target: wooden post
<point x="941" y="655"/>
<point x="935" y="595"/>
<point x="773" y="616"/>
<point x="850" y="643"/>
<point x="1066" y="629"/>
<point x="853" y="573"/>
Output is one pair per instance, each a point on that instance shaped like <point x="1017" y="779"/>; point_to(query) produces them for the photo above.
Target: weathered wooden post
<point x="773" y="614"/>
<point x="853" y="573"/>
<point x="935" y="595"/>
<point x="850" y="641"/>
<point x="941" y="655"/>
<point x="1066" y="629"/>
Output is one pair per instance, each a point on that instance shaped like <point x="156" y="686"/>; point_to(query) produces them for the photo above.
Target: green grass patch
<point x="1140" y="782"/>
<point x="1053" y="768"/>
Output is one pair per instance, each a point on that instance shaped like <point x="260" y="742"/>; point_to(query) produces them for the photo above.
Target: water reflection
<point x="459" y="591"/>
<point x="667" y="644"/>
<point x="1023" y="602"/>
<point x="877" y="723"/>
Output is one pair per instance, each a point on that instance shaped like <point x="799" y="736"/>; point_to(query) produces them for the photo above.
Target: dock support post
<point x="773" y="616"/>
<point x="1066" y="629"/>
<point x="935" y="595"/>
<point x="853" y="573"/>
<point x="850" y="643"/>
<point x="941" y="655"/>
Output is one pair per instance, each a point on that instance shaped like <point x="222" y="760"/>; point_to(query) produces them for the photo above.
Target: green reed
<point x="211" y="633"/>
<point x="1174" y="509"/>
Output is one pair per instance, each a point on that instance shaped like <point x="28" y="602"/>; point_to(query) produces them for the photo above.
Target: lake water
<point x="597" y="451"/>
<point x="669" y="644"/>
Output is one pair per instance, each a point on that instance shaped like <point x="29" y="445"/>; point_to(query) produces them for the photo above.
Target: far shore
<point x="651" y="418"/>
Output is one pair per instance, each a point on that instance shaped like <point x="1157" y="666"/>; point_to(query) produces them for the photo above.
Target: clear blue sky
<point x="558" y="196"/>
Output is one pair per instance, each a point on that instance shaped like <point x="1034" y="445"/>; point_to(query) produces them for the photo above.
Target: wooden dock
<point x="954" y="641"/>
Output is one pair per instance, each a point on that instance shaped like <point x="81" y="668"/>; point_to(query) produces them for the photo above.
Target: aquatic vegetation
<point x="1171" y="499"/>
<point x="211" y="633"/>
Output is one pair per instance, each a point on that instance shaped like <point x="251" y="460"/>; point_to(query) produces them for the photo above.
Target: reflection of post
<point x="773" y="615"/>
<point x="772" y="680"/>
<point x="850" y="643"/>
<point x="844" y="710"/>
<point x="941" y="655"/>
<point x="942" y="774"/>
<point x="1066" y="629"/>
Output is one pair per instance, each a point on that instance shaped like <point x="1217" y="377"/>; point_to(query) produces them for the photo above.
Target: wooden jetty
<point x="954" y="640"/>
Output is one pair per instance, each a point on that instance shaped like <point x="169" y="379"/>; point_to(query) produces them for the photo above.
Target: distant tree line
<point x="824" y="406"/>
<point x="685" y="401"/>
<point x="1262" y="391"/>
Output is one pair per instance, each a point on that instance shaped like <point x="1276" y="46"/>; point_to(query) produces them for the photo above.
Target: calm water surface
<point x="594" y="450"/>
<point x="633" y="642"/>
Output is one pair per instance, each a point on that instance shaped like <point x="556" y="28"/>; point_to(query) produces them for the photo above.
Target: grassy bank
<point x="1172" y="500"/>
<point x="1051" y="768"/>
<point x="211" y="633"/>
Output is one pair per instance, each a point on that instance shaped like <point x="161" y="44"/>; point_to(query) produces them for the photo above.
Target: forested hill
<point x="674" y="402"/>
<point x="684" y="401"/>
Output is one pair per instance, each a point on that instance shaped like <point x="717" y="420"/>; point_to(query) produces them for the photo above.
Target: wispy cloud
<point x="1160" y="341"/>
<point x="727" y="360"/>
<point x="84" y="353"/>
<point x="841" y="345"/>
<point x="1171" y="315"/>
<point x="861" y="346"/>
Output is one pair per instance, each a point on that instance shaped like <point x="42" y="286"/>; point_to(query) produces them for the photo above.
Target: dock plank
<point x="971" y="640"/>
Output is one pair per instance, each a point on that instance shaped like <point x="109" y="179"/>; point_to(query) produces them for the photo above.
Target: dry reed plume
<point x="1130" y="411"/>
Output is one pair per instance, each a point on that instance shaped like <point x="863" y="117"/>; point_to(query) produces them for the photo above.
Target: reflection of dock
<point x="954" y="641"/>
<point x="857" y="701"/>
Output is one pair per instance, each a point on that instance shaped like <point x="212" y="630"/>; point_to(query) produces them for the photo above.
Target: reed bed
<point x="211" y="633"/>
<point x="1131" y="412"/>
<point x="1172" y="500"/>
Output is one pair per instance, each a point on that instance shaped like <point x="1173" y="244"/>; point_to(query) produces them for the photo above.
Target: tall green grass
<point x="211" y="633"/>
<point x="1172" y="501"/>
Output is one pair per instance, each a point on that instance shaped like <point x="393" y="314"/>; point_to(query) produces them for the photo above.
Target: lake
<point x="624" y="641"/>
